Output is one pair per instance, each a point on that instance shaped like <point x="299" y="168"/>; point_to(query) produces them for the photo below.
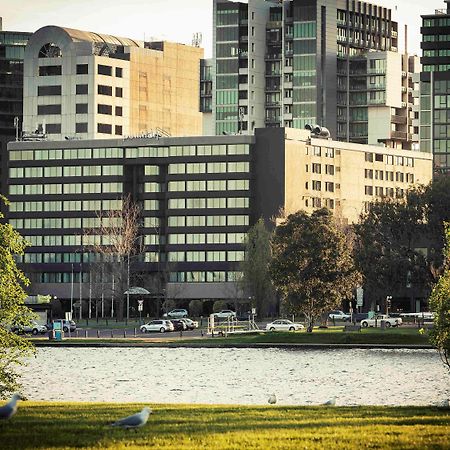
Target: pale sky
<point x="174" y="20"/>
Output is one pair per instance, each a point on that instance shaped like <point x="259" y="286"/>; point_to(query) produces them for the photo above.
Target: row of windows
<point x="69" y="188"/>
<point x="193" y="256"/>
<point x="379" y="191"/>
<point x="75" y="153"/>
<point x="201" y="221"/>
<point x="197" y="238"/>
<point x="201" y="203"/>
<point x="66" y="223"/>
<point x="188" y="150"/>
<point x="319" y="151"/>
<point x="388" y="176"/>
<point x="317" y="168"/>
<point x="213" y="167"/>
<point x="390" y="159"/>
<point x="208" y="185"/>
<point x="316" y="185"/>
<point x="66" y="205"/>
<point x="203" y="277"/>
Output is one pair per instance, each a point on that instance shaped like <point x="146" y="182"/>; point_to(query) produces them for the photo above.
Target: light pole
<point x="71" y="294"/>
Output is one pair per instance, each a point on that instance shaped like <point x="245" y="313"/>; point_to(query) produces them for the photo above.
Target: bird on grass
<point x="8" y="410"/>
<point x="272" y="399"/>
<point x="134" y="421"/>
<point x="331" y="402"/>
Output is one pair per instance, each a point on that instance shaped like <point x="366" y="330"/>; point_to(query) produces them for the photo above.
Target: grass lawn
<point x="193" y="427"/>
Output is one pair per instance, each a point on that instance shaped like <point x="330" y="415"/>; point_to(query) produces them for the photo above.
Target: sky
<point x="174" y="20"/>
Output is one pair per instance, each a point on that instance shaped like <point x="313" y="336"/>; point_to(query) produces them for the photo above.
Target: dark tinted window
<point x="82" y="69"/>
<point x="119" y="72"/>
<point x="81" y="108"/>
<point x="104" y="70"/>
<point x="118" y="129"/>
<point x="104" y="90"/>
<point x="104" y="109"/>
<point x="119" y="92"/>
<point x="104" y="128"/>
<point x="49" y="109"/>
<point x="82" y="89"/>
<point x="81" y="127"/>
<point x="45" y="71"/>
<point x="53" y="128"/>
<point x="49" y="90"/>
<point x="118" y="110"/>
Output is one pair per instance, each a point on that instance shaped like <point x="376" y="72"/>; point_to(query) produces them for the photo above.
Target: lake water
<point x="237" y="376"/>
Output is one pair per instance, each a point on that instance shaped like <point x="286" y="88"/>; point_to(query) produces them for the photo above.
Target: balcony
<point x="402" y="135"/>
<point x="398" y="119"/>
<point x="376" y="87"/>
<point x="273" y="56"/>
<point x="376" y="71"/>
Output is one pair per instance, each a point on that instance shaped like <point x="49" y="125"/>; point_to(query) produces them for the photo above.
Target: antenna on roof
<point x="197" y="39"/>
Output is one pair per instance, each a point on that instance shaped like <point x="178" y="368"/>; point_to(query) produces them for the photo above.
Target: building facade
<point x="198" y="198"/>
<point x="12" y="49"/>
<point x="86" y="85"/>
<point x="435" y="88"/>
<point x="293" y="63"/>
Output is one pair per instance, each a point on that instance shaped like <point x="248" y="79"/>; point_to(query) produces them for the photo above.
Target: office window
<point x="217" y="185"/>
<point x="118" y="130"/>
<point x="104" y="109"/>
<point x="82" y="89"/>
<point x="104" y="70"/>
<point x="177" y="203"/>
<point x="196" y="185"/>
<point x="119" y="92"/>
<point x="195" y="221"/>
<point x="195" y="203"/>
<point x="195" y="238"/>
<point x="48" y="109"/>
<point x="104" y="128"/>
<point x="104" y="90"/>
<point x="119" y="72"/>
<point x="216" y="238"/>
<point x="118" y="111"/>
<point x="82" y="69"/>
<point x="53" y="128"/>
<point x="81" y="127"/>
<point x="49" y="90"/>
<point x="219" y="202"/>
<point x="176" y="221"/>
<point x="81" y="108"/>
<point x="48" y="71"/>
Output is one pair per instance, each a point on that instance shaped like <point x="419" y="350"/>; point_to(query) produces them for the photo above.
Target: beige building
<point x="86" y="85"/>
<point x="346" y="177"/>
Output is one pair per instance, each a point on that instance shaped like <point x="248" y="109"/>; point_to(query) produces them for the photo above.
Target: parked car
<point x="33" y="328"/>
<point x="339" y="315"/>
<point x="157" y="325"/>
<point x="225" y="314"/>
<point x="68" y="325"/>
<point x="190" y="324"/>
<point x="178" y="325"/>
<point x="176" y="314"/>
<point x="376" y="321"/>
<point x="284" y="325"/>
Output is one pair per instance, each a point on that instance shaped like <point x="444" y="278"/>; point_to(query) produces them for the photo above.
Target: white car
<point x="176" y="314"/>
<point x="33" y="328"/>
<point x="284" y="325"/>
<point x="157" y="325"/>
<point x="339" y="315"/>
<point x="225" y="314"/>
<point x="190" y="324"/>
<point x="376" y="321"/>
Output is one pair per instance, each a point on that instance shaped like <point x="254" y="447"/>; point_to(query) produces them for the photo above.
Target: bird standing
<point x="272" y="399"/>
<point x="8" y="410"/>
<point x="134" y="421"/>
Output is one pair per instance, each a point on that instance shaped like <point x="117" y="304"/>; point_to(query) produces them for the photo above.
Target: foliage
<point x="12" y="309"/>
<point x="191" y="427"/>
<point x="219" y="305"/>
<point x="256" y="281"/>
<point x="195" y="308"/>
<point x="312" y="265"/>
<point x="440" y="304"/>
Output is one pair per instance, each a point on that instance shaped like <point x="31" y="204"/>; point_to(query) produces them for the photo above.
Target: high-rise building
<point x="199" y="195"/>
<point x="296" y="62"/>
<point x="435" y="88"/>
<point x="12" y="48"/>
<point x="79" y="84"/>
<point x="206" y="96"/>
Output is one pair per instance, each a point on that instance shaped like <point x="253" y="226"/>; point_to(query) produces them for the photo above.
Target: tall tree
<point x="256" y="280"/>
<point x="312" y="264"/>
<point x="13" y="348"/>
<point x="440" y="304"/>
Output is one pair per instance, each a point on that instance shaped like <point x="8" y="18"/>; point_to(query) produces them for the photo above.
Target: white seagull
<point x="272" y="399"/>
<point x="134" y="421"/>
<point x="331" y="402"/>
<point x="8" y="410"/>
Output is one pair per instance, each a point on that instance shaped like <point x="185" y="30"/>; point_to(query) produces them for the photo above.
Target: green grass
<point x="40" y="425"/>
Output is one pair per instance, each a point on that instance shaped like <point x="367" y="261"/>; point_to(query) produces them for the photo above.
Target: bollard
<point x="134" y="331"/>
<point x="112" y="333"/>
<point x="77" y="333"/>
<point x="124" y="333"/>
<point x="181" y="333"/>
<point x="201" y="333"/>
<point x="98" y="333"/>
<point x="85" y="333"/>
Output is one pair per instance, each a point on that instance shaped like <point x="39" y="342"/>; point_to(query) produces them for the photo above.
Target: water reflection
<point x="237" y="376"/>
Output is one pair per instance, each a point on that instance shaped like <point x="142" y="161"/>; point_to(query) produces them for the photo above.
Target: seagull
<point x="134" y="421"/>
<point x="331" y="402"/>
<point x="272" y="399"/>
<point x="8" y="410"/>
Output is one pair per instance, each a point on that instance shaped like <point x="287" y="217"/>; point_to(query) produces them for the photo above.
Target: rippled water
<point x="237" y="376"/>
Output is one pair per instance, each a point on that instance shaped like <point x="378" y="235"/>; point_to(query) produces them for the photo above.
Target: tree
<point x="256" y="280"/>
<point x="13" y="348"/>
<point x="312" y="265"/>
<point x="440" y="304"/>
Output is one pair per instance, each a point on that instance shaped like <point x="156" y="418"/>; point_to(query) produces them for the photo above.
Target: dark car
<point x="178" y="325"/>
<point x="357" y="317"/>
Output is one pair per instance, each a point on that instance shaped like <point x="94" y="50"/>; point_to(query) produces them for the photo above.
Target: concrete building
<point x="12" y="48"/>
<point x="206" y="90"/>
<point x="199" y="196"/>
<point x="435" y="88"/>
<point x="297" y="62"/>
<point x="86" y="85"/>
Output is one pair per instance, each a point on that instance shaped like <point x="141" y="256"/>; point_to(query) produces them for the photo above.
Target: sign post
<point x="140" y="309"/>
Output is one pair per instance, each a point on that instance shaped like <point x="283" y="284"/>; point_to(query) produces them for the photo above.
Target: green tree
<point x="13" y="348"/>
<point x="312" y="264"/>
<point x="440" y="304"/>
<point x="256" y="280"/>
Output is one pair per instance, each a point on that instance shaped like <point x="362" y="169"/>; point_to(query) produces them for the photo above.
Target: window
<point x="369" y="157"/>
<point x="119" y="72"/>
<point x="49" y="109"/>
<point x="104" y="128"/>
<point x="47" y="71"/>
<point x="378" y="157"/>
<point x="119" y="92"/>
<point x="82" y="69"/>
<point x="118" y="130"/>
<point x="104" y="109"/>
<point x="118" y="111"/>
<point x="81" y="89"/>
<point x="104" y="90"/>
<point x="49" y="90"/>
<point x="81" y="108"/>
<point x="81" y="127"/>
<point x="53" y="128"/>
<point x="316" y="168"/>
<point x="104" y="70"/>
